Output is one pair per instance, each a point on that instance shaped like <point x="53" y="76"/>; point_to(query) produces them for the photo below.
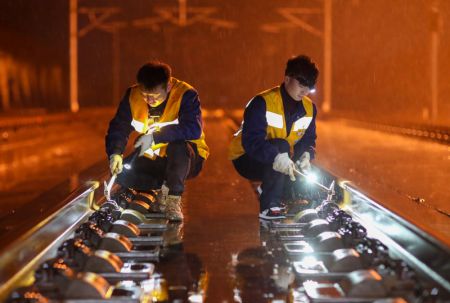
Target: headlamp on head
<point x="303" y="69"/>
<point x="311" y="84"/>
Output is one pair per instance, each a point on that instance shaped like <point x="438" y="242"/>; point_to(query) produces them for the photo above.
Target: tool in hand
<point x="108" y="185"/>
<point x="154" y="127"/>
<point x="329" y="190"/>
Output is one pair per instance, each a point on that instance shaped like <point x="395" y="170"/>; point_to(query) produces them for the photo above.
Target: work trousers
<point x="273" y="182"/>
<point x="182" y="162"/>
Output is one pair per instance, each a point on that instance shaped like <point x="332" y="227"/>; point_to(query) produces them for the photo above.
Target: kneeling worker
<point x="167" y="114"/>
<point x="277" y="134"/>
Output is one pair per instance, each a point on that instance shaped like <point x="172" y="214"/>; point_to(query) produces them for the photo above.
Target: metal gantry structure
<point x="294" y="17"/>
<point x="98" y="18"/>
<point x="183" y="15"/>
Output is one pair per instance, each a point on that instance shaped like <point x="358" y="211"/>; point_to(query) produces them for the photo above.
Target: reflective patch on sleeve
<point x="162" y="124"/>
<point x="158" y="125"/>
<point x="152" y="152"/>
<point x="138" y="126"/>
<point x="149" y="152"/>
<point x="274" y="120"/>
<point x="302" y="123"/>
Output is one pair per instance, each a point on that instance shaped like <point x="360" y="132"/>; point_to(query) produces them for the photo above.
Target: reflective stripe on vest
<point x="144" y="125"/>
<point x="274" y="119"/>
<point x="276" y="126"/>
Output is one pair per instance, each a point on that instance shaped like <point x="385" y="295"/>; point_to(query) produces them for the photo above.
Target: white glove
<point x="115" y="164"/>
<point x="303" y="163"/>
<point x="145" y="142"/>
<point x="284" y="165"/>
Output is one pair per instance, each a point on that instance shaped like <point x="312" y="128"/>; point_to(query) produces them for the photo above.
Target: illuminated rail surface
<point x="341" y="248"/>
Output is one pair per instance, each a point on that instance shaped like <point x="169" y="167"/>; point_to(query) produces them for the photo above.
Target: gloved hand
<point x="284" y="165"/>
<point x="303" y="163"/>
<point x="145" y="142"/>
<point x="115" y="164"/>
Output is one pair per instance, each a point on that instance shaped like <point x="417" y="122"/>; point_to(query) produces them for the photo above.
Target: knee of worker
<point x="281" y="144"/>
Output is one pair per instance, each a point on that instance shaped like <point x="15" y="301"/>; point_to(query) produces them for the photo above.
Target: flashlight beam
<point x="313" y="181"/>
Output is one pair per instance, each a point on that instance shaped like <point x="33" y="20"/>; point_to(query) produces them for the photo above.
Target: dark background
<point x="381" y="54"/>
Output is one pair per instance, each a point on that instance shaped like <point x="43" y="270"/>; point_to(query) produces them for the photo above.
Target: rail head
<point x="417" y="247"/>
<point x="21" y="257"/>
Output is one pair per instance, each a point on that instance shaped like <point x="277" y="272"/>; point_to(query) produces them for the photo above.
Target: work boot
<point x="174" y="234"/>
<point x="174" y="208"/>
<point x="161" y="199"/>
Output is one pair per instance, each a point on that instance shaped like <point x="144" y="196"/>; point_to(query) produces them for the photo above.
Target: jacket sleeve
<point x="308" y="141"/>
<point x="189" y="125"/>
<point x="254" y="131"/>
<point x="119" y="128"/>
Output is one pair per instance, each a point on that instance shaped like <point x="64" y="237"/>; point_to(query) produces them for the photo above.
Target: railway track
<point x="346" y="248"/>
<point x="334" y="246"/>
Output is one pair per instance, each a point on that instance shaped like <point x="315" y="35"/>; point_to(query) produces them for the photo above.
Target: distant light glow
<point x="312" y="91"/>
<point x="127" y="166"/>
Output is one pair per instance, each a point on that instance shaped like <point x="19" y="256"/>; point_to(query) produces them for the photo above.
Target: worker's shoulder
<point x="261" y="96"/>
<point x="188" y="90"/>
<point x="131" y="88"/>
<point x="269" y="91"/>
<point x="257" y="103"/>
<point x="180" y="84"/>
<point x="191" y="95"/>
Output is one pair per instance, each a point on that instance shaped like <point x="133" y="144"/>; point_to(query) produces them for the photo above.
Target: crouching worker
<point x="166" y="113"/>
<point x="277" y="135"/>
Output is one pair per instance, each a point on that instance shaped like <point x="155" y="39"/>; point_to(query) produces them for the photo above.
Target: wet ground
<point x="407" y="175"/>
<point x="38" y="155"/>
<point x="221" y="209"/>
<point x="221" y="214"/>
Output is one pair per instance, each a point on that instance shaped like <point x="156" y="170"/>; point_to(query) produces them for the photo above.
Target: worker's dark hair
<point x="303" y="69"/>
<point x="154" y="73"/>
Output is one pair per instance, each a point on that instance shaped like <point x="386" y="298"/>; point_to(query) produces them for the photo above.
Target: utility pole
<point x="73" y="55"/>
<point x="182" y="11"/>
<point x="327" y="55"/>
<point x="436" y="21"/>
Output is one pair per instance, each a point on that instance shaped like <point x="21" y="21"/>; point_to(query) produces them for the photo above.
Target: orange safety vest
<point x="276" y="123"/>
<point x="142" y="123"/>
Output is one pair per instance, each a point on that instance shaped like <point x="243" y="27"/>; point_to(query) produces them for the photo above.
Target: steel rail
<point x="404" y="238"/>
<point x="18" y="262"/>
<point x="408" y="241"/>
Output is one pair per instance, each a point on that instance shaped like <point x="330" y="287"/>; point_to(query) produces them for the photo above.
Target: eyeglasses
<point x="308" y="89"/>
<point x="304" y="82"/>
